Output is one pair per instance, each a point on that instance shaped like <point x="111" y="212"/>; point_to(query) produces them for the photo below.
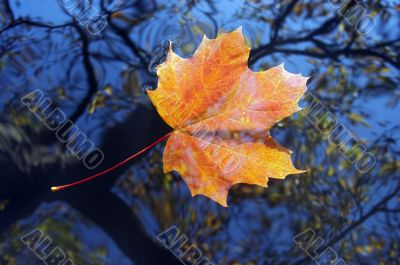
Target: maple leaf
<point x="221" y="112"/>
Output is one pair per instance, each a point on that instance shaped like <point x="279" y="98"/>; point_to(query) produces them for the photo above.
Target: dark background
<point x="99" y="82"/>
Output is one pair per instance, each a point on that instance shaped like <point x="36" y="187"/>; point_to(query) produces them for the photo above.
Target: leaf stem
<point x="58" y="188"/>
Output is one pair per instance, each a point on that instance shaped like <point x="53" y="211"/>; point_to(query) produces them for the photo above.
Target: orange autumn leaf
<point x="221" y="113"/>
